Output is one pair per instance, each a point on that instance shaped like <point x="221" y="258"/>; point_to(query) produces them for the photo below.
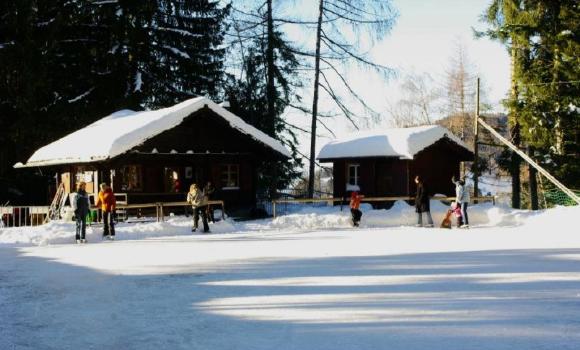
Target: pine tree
<point x="265" y="88"/>
<point x="64" y="64"/>
<point x="542" y="37"/>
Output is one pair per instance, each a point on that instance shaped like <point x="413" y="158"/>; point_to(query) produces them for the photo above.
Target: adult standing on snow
<point x="422" y="203"/>
<point x="81" y="204"/>
<point x="108" y="204"/>
<point x="462" y="199"/>
<point x="198" y="202"/>
<point x="209" y="190"/>
<point x="355" y="199"/>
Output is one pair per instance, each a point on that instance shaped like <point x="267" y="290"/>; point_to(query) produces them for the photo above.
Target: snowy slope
<point x="404" y="143"/>
<point x="123" y="130"/>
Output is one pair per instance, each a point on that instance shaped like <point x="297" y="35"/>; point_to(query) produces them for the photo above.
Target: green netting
<point x="557" y="197"/>
<point x="550" y="196"/>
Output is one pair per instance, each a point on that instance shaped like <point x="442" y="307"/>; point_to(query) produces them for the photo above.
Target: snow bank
<point x="482" y="216"/>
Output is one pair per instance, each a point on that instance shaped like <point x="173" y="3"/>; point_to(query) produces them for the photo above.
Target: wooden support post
<point x="532" y="183"/>
<point x="274" y="209"/>
<point x="541" y="170"/>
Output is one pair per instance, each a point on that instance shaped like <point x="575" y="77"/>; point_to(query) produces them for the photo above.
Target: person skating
<point x="108" y="204"/>
<point x="422" y="203"/>
<point x="462" y="198"/>
<point x="81" y="204"/>
<point x="355" y="199"/>
<point x="209" y="190"/>
<point x="198" y="202"/>
<point x="456" y="210"/>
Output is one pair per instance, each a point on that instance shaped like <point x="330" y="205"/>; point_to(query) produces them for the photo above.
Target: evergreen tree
<point x="265" y="88"/>
<point x="543" y="39"/>
<point x="64" y="64"/>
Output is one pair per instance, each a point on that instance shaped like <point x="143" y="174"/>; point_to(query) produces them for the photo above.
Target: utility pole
<point x="475" y="146"/>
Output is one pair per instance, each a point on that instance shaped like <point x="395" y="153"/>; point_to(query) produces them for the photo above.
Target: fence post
<point x="274" y="208"/>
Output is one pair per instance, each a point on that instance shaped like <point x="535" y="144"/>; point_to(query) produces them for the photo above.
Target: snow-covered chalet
<point x="154" y="156"/>
<point x="383" y="163"/>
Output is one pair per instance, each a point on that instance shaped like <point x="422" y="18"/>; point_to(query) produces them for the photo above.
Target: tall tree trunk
<point x="270" y="87"/>
<point x="515" y="134"/>
<point x="271" y="94"/>
<point x="315" y="102"/>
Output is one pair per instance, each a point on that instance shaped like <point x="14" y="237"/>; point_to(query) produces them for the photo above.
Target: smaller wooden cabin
<point x="383" y="163"/>
<point x="154" y="156"/>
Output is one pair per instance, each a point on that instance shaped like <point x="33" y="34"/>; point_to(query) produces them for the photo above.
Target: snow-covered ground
<point x="302" y="281"/>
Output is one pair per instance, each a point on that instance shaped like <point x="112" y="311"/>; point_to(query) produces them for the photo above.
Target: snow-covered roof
<point x="126" y="129"/>
<point x="403" y="143"/>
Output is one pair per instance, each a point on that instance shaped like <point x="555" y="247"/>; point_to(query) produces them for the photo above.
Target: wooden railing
<point x="16" y="216"/>
<point x="369" y="199"/>
<point x="160" y="207"/>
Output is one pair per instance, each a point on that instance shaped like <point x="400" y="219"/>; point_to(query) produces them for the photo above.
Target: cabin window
<point x="230" y="176"/>
<point x="353" y="174"/>
<point x="132" y="178"/>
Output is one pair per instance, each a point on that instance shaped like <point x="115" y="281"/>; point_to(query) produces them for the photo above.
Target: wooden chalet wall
<point x="389" y="176"/>
<point x="201" y="146"/>
<point x="437" y="164"/>
<point x="378" y="176"/>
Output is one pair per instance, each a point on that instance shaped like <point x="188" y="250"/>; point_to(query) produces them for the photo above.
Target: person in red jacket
<point x="107" y="203"/>
<point x="355" y="199"/>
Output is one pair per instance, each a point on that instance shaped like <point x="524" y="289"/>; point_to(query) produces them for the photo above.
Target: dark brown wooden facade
<point x="391" y="176"/>
<point x="204" y="147"/>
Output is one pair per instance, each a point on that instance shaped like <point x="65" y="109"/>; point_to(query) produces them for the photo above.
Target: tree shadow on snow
<point x="466" y="300"/>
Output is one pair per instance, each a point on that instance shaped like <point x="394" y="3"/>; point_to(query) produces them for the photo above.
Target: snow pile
<point x="404" y="143"/>
<point x="60" y="232"/>
<point x="482" y="216"/>
<point x="123" y="130"/>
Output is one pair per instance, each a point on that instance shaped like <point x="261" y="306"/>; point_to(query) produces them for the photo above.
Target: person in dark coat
<point x="209" y="190"/>
<point x="422" y="203"/>
<point x="81" y="205"/>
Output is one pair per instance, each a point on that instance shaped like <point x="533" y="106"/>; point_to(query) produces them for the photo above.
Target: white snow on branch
<point x="105" y="2"/>
<point x="180" y="31"/>
<point x="45" y="23"/>
<point x="138" y="82"/>
<point x="81" y="96"/>
<point x="176" y="51"/>
<point x="2" y="45"/>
